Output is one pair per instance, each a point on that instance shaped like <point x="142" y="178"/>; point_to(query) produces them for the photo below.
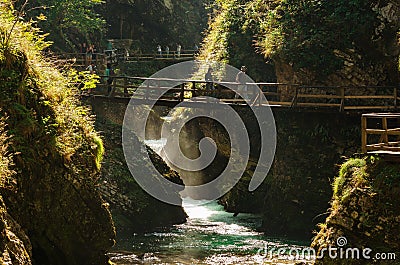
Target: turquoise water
<point x="211" y="236"/>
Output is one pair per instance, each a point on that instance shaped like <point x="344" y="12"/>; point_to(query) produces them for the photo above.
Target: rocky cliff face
<point x="364" y="210"/>
<point x="132" y="208"/>
<point x="15" y="246"/>
<point x="298" y="190"/>
<point x="56" y="156"/>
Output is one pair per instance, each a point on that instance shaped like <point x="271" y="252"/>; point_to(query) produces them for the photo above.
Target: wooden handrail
<point x="303" y="96"/>
<point x="383" y="144"/>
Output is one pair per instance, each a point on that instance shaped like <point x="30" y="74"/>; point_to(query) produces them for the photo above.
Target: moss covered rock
<point x="364" y="209"/>
<point x="15" y="247"/>
<point x="56" y="154"/>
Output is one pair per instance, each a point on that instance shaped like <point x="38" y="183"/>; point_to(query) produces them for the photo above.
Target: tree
<point x="69" y="22"/>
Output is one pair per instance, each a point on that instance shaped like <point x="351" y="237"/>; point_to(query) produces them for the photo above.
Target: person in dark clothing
<point x="209" y="79"/>
<point x="109" y="73"/>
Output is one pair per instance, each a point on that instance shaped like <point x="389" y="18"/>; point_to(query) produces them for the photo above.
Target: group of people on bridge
<point x="175" y="54"/>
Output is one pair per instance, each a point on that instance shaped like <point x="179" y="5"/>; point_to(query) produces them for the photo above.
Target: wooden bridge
<point x="380" y="131"/>
<point x="340" y="98"/>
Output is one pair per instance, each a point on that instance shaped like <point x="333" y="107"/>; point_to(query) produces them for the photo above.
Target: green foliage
<point x="99" y="150"/>
<point x="229" y="39"/>
<point x="68" y="21"/>
<point x="351" y="168"/>
<point x="85" y="78"/>
<point x="150" y="22"/>
<point x="37" y="98"/>
<point x="312" y="35"/>
<point x="306" y="34"/>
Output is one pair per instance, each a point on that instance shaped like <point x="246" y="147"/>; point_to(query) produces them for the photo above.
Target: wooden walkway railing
<point x="383" y="130"/>
<point x="81" y="60"/>
<point x="173" y="55"/>
<point x="278" y="94"/>
<point x="347" y="98"/>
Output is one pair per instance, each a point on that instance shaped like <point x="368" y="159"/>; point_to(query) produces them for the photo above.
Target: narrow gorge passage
<point x="210" y="236"/>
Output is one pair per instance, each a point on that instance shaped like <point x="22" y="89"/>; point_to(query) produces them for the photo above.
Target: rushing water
<point x="210" y="236"/>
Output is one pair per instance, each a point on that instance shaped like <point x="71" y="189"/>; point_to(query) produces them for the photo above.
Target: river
<point x="210" y="236"/>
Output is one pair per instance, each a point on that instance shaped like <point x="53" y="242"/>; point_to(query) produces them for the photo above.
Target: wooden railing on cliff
<point x="383" y="130"/>
<point x="278" y="94"/>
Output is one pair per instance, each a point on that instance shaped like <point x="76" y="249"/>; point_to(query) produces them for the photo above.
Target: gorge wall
<point x="131" y="207"/>
<point x="296" y="193"/>
<point x="50" y="210"/>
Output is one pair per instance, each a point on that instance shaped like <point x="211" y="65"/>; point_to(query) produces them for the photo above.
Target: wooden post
<point x="342" y="94"/>
<point x="194" y="89"/>
<point x="385" y="134"/>
<point x="364" y="134"/>
<point x="126" y="94"/>
<point x="182" y="95"/>
<point x="146" y="93"/>
<point x="294" y="100"/>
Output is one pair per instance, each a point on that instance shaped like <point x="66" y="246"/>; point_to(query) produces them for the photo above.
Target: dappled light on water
<point x="210" y="236"/>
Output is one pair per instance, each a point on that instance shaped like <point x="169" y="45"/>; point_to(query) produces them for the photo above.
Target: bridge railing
<point x="173" y="55"/>
<point x="81" y="60"/>
<point x="346" y="97"/>
<point x="380" y="133"/>
<point x="180" y="89"/>
<point x="289" y="95"/>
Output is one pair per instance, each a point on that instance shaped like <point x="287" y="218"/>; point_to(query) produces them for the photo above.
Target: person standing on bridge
<point x="167" y="50"/>
<point x="209" y="79"/>
<point x="109" y="49"/>
<point x="89" y="54"/>
<point x="159" y="50"/>
<point x="241" y="79"/>
<point x="109" y="73"/>
<point x="178" y="50"/>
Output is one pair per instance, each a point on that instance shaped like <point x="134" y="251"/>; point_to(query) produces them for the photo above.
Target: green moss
<point x="99" y="151"/>
<point x="366" y="209"/>
<point x="345" y="174"/>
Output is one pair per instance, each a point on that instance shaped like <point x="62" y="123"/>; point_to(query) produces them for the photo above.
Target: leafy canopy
<point x="70" y="21"/>
<point x="307" y="33"/>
